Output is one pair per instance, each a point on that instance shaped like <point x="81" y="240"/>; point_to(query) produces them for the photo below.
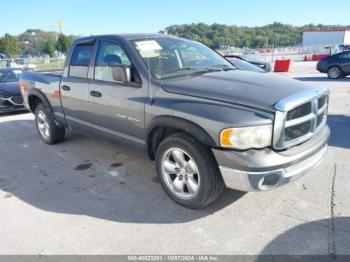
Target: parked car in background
<point x="26" y="67"/>
<point x="265" y="66"/>
<point x="244" y="65"/>
<point x="344" y="48"/>
<point x="205" y="123"/>
<point x="336" y="66"/>
<point x="10" y="95"/>
<point x="3" y="56"/>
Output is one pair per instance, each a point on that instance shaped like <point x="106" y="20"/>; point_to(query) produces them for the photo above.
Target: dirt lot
<point x="87" y="196"/>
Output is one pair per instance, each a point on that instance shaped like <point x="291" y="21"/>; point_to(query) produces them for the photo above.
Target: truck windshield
<point x="172" y="57"/>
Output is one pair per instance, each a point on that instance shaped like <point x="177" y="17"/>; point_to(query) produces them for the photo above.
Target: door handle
<point x="65" y="88"/>
<point x="95" y="93"/>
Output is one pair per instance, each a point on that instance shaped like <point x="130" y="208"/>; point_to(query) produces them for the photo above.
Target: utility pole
<point x="59" y="24"/>
<point x="54" y="29"/>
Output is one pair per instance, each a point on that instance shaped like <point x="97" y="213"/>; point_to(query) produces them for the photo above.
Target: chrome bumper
<point x="9" y="104"/>
<point x="261" y="170"/>
<point x="11" y="100"/>
<point x="262" y="181"/>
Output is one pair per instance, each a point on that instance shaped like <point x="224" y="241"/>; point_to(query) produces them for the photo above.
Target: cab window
<point x="79" y="65"/>
<point x="109" y="54"/>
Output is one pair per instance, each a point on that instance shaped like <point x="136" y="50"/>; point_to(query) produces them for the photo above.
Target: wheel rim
<point x="43" y="125"/>
<point x="334" y="72"/>
<point x="180" y="173"/>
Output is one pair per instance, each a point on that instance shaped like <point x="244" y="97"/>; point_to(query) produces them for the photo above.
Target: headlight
<point x="246" y="137"/>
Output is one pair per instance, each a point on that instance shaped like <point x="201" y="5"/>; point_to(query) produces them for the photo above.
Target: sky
<point x="83" y="17"/>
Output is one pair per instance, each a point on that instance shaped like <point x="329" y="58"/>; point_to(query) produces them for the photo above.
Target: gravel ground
<point x="87" y="196"/>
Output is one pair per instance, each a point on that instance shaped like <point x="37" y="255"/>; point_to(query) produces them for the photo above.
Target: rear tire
<point x="334" y="72"/>
<point x="48" y="129"/>
<point x="188" y="171"/>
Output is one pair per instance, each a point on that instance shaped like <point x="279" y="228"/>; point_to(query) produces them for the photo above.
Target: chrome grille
<point x="296" y="131"/>
<point x="16" y="100"/>
<point x="299" y="117"/>
<point x="320" y="118"/>
<point x="299" y="111"/>
<point x="321" y="101"/>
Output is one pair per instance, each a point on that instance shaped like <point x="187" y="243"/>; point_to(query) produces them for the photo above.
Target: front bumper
<point x="322" y="67"/>
<point x="11" y="104"/>
<point x="261" y="170"/>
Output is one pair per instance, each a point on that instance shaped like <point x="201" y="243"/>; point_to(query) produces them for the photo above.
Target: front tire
<point x="188" y="171"/>
<point x="49" y="131"/>
<point x="334" y="72"/>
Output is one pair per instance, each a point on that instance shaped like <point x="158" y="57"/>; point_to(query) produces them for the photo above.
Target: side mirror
<point x="121" y="73"/>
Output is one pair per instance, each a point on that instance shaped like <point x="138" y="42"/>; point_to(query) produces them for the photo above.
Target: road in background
<point x="87" y="196"/>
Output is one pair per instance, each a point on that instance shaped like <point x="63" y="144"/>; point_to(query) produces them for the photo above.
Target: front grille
<point x="299" y="111"/>
<point x="321" y="101"/>
<point x="320" y="118"/>
<point x="16" y="100"/>
<point x="298" y="124"/>
<point x="297" y="131"/>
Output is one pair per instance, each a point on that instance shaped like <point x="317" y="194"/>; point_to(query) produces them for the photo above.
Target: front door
<point x="117" y="108"/>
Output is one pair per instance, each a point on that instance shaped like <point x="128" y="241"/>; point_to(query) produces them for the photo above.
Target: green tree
<point x="272" y="35"/>
<point x="49" y="47"/>
<point x="63" y="43"/>
<point x="9" y="45"/>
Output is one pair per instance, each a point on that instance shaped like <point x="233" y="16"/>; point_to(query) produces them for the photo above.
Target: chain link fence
<point x="299" y="53"/>
<point x="37" y="64"/>
<point x="267" y="55"/>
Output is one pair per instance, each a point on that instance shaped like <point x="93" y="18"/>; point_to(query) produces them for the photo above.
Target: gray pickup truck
<point x="206" y="123"/>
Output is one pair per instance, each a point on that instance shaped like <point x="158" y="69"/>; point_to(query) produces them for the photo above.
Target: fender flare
<point x="41" y="96"/>
<point x="177" y="123"/>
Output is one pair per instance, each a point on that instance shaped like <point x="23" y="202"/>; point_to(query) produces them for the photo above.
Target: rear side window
<point x="79" y="64"/>
<point x="345" y="55"/>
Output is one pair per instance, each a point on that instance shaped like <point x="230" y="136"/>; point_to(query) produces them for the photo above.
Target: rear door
<point x="75" y="86"/>
<point x="117" y="107"/>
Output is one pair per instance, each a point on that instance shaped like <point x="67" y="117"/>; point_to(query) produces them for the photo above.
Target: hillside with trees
<point x="35" y="42"/>
<point x="273" y="35"/>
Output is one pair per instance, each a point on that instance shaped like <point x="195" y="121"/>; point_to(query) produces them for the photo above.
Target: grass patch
<point x="50" y="66"/>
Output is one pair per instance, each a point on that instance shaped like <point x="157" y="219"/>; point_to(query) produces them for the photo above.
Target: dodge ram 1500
<point x="206" y="123"/>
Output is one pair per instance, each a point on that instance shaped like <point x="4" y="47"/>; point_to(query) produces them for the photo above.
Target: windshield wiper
<point x="225" y="67"/>
<point x="187" y="68"/>
<point x="196" y="70"/>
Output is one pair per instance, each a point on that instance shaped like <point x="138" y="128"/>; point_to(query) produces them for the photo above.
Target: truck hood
<point x="257" y="90"/>
<point x="9" y="89"/>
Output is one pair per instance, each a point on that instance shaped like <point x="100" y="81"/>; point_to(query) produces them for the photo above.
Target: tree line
<point x="35" y="43"/>
<point x="38" y="42"/>
<point x="268" y="36"/>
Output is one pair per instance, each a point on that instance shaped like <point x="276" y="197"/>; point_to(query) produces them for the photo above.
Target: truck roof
<point x="132" y="36"/>
<point x="143" y="36"/>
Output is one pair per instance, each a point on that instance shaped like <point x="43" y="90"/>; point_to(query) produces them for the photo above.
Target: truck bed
<point x="46" y="83"/>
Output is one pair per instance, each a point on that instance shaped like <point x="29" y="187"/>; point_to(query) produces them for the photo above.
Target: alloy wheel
<point x="180" y="173"/>
<point x="334" y="72"/>
<point x="43" y="125"/>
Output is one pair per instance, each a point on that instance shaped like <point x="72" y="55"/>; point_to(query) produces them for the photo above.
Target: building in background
<point x="323" y="41"/>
